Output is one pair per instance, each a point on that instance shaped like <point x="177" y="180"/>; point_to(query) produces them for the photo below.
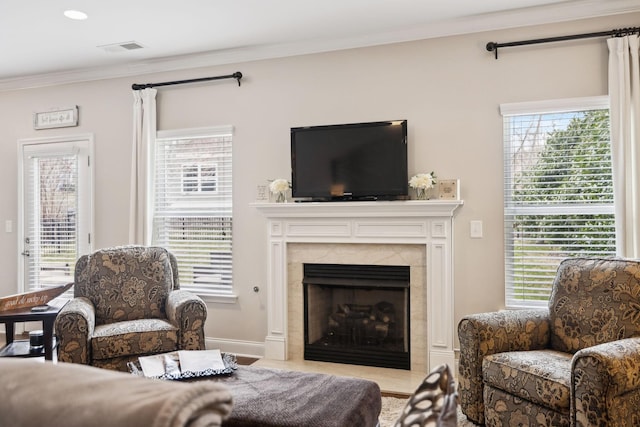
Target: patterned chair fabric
<point x="576" y="363"/>
<point x="128" y="303"/>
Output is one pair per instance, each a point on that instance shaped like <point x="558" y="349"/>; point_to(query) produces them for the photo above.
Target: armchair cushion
<point x="125" y="283"/>
<point x="594" y="301"/>
<point x="134" y="337"/>
<point x="541" y="376"/>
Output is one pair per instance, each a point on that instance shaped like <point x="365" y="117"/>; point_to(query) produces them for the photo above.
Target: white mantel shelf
<point x="422" y="222"/>
<point x="405" y="208"/>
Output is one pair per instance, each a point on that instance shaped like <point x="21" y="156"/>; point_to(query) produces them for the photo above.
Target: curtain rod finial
<point x="493" y="47"/>
<point x="237" y="75"/>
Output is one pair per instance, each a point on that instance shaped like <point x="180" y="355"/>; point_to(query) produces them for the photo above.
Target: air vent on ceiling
<point x="121" y="47"/>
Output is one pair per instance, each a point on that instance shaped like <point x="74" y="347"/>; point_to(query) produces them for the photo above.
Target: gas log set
<point x="362" y="324"/>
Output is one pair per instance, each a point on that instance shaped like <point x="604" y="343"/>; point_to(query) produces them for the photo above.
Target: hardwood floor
<point x="242" y="360"/>
<point x="401" y="392"/>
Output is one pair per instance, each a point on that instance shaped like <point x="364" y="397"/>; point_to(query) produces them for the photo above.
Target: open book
<point x="184" y="364"/>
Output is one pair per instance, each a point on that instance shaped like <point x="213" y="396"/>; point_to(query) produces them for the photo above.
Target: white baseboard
<point x="240" y="348"/>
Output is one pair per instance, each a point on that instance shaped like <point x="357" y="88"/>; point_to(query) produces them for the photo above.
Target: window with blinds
<point x="192" y="215"/>
<point x="558" y="193"/>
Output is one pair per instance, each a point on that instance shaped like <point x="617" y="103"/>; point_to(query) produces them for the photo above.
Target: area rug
<point x="392" y="407"/>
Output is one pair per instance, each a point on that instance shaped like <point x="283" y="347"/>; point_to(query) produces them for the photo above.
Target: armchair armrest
<point x="605" y="384"/>
<point x="74" y="327"/>
<point x="188" y="313"/>
<point x="489" y="333"/>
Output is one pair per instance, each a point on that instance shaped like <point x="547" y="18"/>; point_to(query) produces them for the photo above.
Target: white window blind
<point x="193" y="206"/>
<point x="558" y="193"/>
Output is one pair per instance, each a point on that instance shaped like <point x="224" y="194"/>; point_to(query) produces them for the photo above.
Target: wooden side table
<point x="20" y="348"/>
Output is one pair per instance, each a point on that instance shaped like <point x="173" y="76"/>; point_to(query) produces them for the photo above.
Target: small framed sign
<point x="262" y="194"/>
<point x="61" y="118"/>
<point x="449" y="189"/>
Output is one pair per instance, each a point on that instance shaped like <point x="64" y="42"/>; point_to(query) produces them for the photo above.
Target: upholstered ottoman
<point x="278" y="398"/>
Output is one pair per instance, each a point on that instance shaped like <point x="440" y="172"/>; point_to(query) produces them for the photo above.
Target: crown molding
<point x="555" y="13"/>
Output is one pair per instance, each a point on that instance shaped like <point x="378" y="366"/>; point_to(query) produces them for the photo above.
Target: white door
<point x="55" y="209"/>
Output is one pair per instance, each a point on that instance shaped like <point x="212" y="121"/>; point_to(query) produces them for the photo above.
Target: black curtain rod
<point x="493" y="46"/>
<point x="237" y="75"/>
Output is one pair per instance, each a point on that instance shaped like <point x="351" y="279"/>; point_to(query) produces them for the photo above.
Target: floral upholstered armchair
<point x="128" y="303"/>
<point x="576" y="363"/>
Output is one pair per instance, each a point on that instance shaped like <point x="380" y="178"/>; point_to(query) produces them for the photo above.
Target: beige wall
<point x="449" y="89"/>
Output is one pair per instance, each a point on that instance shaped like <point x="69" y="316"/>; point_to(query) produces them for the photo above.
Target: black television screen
<point x="359" y="161"/>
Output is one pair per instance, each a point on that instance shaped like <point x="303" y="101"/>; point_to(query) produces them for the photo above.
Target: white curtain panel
<point x="144" y="133"/>
<point x="624" y="93"/>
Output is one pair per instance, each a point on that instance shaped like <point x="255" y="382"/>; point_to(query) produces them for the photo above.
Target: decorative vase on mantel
<point x="281" y="197"/>
<point x="422" y="183"/>
<point x="422" y="194"/>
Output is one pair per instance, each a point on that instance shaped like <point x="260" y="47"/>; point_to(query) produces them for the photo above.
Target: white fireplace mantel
<point x="428" y="223"/>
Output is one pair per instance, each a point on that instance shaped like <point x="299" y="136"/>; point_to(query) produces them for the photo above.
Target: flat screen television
<point x="358" y="161"/>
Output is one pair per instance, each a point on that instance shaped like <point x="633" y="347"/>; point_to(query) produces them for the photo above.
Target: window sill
<point x="530" y="306"/>
<point x="222" y="299"/>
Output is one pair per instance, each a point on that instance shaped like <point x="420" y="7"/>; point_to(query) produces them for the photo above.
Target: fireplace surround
<point x="381" y="232"/>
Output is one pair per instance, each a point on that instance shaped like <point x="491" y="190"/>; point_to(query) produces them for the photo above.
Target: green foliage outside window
<point x="559" y="201"/>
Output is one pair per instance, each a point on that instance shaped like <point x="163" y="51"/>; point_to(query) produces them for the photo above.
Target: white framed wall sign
<point x="60" y="118"/>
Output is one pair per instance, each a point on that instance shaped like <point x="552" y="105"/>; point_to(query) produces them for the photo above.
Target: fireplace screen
<point x="357" y="314"/>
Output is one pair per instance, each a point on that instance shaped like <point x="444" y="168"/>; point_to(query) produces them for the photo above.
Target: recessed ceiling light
<point x="75" y="14"/>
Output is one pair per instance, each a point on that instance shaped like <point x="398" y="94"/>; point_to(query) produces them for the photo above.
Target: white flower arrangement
<point x="423" y="181"/>
<point x="279" y="186"/>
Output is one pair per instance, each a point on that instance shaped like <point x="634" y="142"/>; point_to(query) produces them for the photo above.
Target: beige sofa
<point x="576" y="363"/>
<point x="36" y="393"/>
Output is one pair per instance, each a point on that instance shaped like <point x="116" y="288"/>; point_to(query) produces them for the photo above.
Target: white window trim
<point x="194" y="132"/>
<point x="554" y="106"/>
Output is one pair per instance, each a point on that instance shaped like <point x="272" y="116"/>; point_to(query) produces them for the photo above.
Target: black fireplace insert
<point x="357" y="314"/>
